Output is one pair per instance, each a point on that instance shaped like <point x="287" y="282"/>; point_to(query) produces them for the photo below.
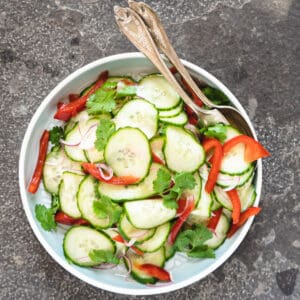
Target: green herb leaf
<point x="192" y="241"/>
<point x="46" y="217"/>
<point x="103" y="256"/>
<point x="109" y="85"/>
<point x="216" y="96"/>
<point x="170" y="200"/>
<point x="162" y="181"/>
<point x="217" y="131"/>
<point x="55" y="134"/>
<point x="102" y="101"/>
<point x="105" y="208"/>
<point x="183" y="181"/>
<point x="104" y="130"/>
<point x="126" y="91"/>
<point x="55" y="204"/>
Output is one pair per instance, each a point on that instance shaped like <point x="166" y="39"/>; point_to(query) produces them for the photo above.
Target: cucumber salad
<point x="136" y="179"/>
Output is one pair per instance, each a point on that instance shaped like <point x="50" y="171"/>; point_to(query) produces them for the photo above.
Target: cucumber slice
<point x="148" y="213"/>
<point x="120" y="247"/>
<point x="156" y="145"/>
<point x="231" y="132"/>
<point x="233" y="162"/>
<point x="86" y="196"/>
<point x="215" y="204"/>
<point x="80" y="240"/>
<point x="247" y="196"/>
<point x="80" y="117"/>
<point x="179" y="120"/>
<point x="182" y="152"/>
<point x="156" y="258"/>
<point x="72" y="137"/>
<point x="130" y="232"/>
<point x="172" y="112"/>
<point x="219" y="235"/>
<point x="157" y="240"/>
<point x="56" y="163"/>
<point x="128" y="153"/>
<point x="140" y="114"/>
<point x="196" y="191"/>
<point x="222" y="198"/>
<point x="157" y="90"/>
<point x="67" y="194"/>
<point x="169" y="250"/>
<point x="142" y="190"/>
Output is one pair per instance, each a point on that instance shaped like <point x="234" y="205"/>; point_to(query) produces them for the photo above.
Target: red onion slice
<point x="69" y="144"/>
<point x="88" y="138"/>
<point x="130" y="243"/>
<point x="108" y="170"/>
<point x="139" y="234"/>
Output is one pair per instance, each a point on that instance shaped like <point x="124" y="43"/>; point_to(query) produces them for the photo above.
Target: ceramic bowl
<point x="185" y="271"/>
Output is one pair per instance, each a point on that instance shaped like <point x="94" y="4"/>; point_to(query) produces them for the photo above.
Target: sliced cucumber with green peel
<point x="157" y="90"/>
<point x="56" y="163"/>
<point x="179" y="120"/>
<point x="86" y="196"/>
<point x="157" y="144"/>
<point x="79" y="241"/>
<point x="128" y="231"/>
<point x="138" y="113"/>
<point x="120" y="247"/>
<point x="156" y="258"/>
<point x="231" y="132"/>
<point x="128" y="153"/>
<point x="169" y="250"/>
<point x="67" y="194"/>
<point x="222" y="198"/>
<point x="157" y="240"/>
<point x="215" y="204"/>
<point x="173" y="112"/>
<point x="143" y="190"/>
<point x="182" y="152"/>
<point x="150" y="213"/>
<point x="219" y="234"/>
<point x="195" y="193"/>
<point x="81" y="117"/>
<point x="247" y="195"/>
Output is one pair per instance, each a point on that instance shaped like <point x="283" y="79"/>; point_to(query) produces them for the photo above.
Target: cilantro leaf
<point x="216" y="96"/>
<point x="102" y="101"/>
<point x="46" y="217"/>
<point x="103" y="256"/>
<point x="170" y="202"/>
<point x="183" y="180"/>
<point x="109" y="85"/>
<point x="162" y="181"/>
<point x="126" y="91"/>
<point x="56" y="133"/>
<point x="192" y="241"/>
<point x="55" y="204"/>
<point x="105" y="208"/>
<point x="104" y="130"/>
<point x="217" y="131"/>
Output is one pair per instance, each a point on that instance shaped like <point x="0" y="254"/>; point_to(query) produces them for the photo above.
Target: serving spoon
<point x="143" y="28"/>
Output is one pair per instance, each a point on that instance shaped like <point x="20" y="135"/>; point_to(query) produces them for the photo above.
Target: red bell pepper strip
<point x="154" y="271"/>
<point x="37" y="175"/>
<point x="253" y="150"/>
<point x="214" y="220"/>
<point x="62" y="218"/>
<point x="73" y="97"/>
<point x="192" y="117"/>
<point x="196" y="99"/>
<point x="68" y="110"/>
<point x="178" y="224"/>
<point x="128" y="82"/>
<point x="157" y="159"/>
<point x="59" y="104"/>
<point x="118" y="238"/>
<point x="251" y="211"/>
<point x="209" y="144"/>
<point x="236" y="205"/>
<point x="121" y="180"/>
<point x="173" y="70"/>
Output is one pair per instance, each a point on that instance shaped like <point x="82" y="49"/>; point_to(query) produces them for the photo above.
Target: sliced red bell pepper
<point x="154" y="271"/>
<point x="196" y="99"/>
<point x="59" y="104"/>
<point x="73" y="97"/>
<point x="214" y="220"/>
<point x="121" y="180"/>
<point x="236" y="205"/>
<point x="179" y="222"/>
<point x="68" y="110"/>
<point x="62" y="218"/>
<point x="209" y="144"/>
<point x="192" y="117"/>
<point x="251" y="211"/>
<point x="37" y="175"/>
<point x="253" y="150"/>
<point x="118" y="238"/>
<point x="173" y="70"/>
<point x="128" y="82"/>
<point x="157" y="159"/>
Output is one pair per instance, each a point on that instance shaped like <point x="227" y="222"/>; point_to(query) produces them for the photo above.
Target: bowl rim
<point x="62" y="262"/>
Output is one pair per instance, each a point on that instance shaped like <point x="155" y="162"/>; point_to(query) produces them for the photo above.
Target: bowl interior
<point x="184" y="270"/>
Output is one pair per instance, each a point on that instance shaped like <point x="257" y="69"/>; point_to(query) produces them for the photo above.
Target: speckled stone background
<point x="250" y="45"/>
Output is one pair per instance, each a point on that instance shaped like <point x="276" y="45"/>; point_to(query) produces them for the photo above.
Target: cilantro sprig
<point x="192" y="241"/>
<point x="103" y="256"/>
<point x="55" y="134"/>
<point x="46" y="215"/>
<point x="171" y="194"/>
<point x="104" y="130"/>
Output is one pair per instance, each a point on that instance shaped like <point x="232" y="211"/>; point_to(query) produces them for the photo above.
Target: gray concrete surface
<point x="250" y="45"/>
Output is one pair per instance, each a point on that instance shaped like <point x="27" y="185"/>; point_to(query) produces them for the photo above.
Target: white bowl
<point x="184" y="270"/>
